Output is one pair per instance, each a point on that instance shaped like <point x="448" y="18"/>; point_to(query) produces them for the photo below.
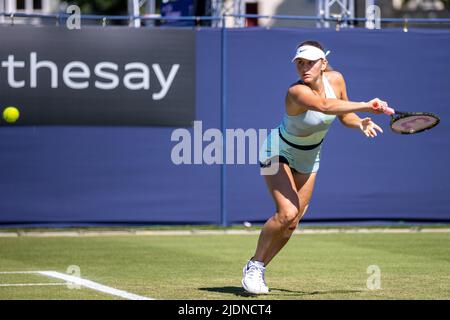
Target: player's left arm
<point x="351" y="119"/>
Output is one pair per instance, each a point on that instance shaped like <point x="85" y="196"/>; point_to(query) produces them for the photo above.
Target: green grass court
<point x="413" y="265"/>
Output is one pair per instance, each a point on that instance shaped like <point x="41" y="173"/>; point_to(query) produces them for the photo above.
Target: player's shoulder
<point x="297" y="88"/>
<point x="335" y="77"/>
<point x="297" y="83"/>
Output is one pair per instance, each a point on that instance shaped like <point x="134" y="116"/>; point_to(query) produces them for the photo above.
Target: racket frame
<point x="401" y="115"/>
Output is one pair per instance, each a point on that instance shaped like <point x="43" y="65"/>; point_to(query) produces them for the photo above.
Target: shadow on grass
<point x="239" y="291"/>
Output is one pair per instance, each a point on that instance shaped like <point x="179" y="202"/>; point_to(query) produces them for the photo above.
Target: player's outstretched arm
<point x="303" y="98"/>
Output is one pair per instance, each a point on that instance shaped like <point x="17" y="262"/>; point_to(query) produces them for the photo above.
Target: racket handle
<point x="389" y="111"/>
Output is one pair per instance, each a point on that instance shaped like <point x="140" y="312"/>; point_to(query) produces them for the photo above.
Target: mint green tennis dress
<point x="299" y="138"/>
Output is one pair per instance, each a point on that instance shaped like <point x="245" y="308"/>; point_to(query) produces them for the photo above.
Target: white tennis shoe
<point x="253" y="278"/>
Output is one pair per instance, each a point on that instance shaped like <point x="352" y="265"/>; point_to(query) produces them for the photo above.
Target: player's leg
<point x="283" y="190"/>
<point x="305" y="186"/>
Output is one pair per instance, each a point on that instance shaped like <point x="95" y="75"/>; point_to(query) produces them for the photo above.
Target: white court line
<point x="19" y="272"/>
<point x="32" y="284"/>
<point x="83" y="282"/>
<point x="93" y="285"/>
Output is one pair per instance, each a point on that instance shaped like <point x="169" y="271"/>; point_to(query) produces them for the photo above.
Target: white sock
<point x="259" y="263"/>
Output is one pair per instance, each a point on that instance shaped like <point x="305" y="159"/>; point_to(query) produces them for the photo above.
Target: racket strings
<point x="413" y="123"/>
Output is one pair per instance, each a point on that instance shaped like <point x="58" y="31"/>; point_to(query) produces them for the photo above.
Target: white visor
<point x="310" y="53"/>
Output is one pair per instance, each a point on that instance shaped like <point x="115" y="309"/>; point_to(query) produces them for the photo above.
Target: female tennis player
<point x="311" y="105"/>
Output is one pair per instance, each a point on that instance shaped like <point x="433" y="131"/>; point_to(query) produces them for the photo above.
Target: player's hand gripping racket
<point x="411" y="122"/>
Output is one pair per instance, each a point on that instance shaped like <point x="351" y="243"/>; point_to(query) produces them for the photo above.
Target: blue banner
<point x="68" y="174"/>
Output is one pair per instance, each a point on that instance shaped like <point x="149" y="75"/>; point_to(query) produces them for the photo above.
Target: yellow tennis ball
<point x="11" y="114"/>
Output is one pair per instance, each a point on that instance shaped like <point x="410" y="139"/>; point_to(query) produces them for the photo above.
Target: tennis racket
<point x="411" y="122"/>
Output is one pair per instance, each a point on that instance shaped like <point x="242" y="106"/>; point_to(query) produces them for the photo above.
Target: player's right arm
<point x="301" y="98"/>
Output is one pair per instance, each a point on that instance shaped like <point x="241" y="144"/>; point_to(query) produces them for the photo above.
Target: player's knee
<point x="292" y="227"/>
<point x="287" y="215"/>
